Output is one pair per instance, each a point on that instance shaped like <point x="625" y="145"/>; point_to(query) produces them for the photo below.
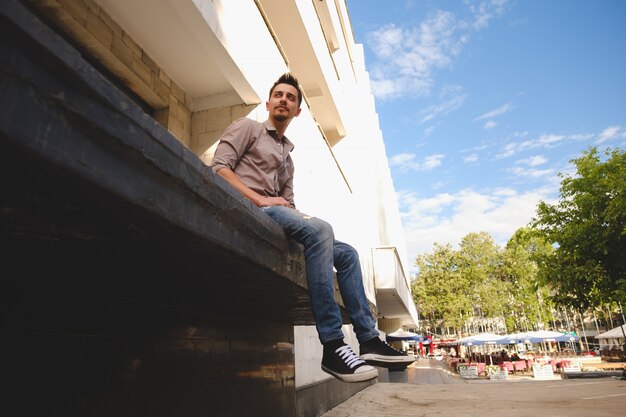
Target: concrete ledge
<point x="592" y="374"/>
<point x="98" y="197"/>
<point x="313" y="400"/>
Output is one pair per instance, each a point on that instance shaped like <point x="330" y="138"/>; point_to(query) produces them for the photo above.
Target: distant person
<point x="254" y="158"/>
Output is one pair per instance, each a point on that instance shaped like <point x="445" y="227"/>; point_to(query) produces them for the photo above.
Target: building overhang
<point x="393" y="293"/>
<point x="186" y="39"/>
<point x="309" y="61"/>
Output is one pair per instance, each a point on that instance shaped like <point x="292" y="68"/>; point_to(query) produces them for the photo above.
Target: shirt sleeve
<point x="233" y="144"/>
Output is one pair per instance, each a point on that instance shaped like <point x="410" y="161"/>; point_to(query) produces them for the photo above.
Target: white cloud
<point x="490" y="124"/>
<point x="611" y="132"/>
<point x="406" y="162"/>
<point x="548" y="141"/>
<point x="401" y="159"/>
<point x="582" y="137"/>
<point x="496" y="112"/>
<point x="504" y="192"/>
<point x="433" y="204"/>
<point x="447" y="218"/>
<point x="487" y="10"/>
<point x="432" y="161"/>
<point x="385" y="88"/>
<point x="470" y="158"/>
<point x="533" y="161"/>
<point x="509" y="150"/>
<point x="450" y="99"/>
<point x="476" y="148"/>
<point x="387" y="41"/>
<point x="406" y="57"/>
<point x="531" y="172"/>
<point x="437" y="185"/>
<point x="544" y="141"/>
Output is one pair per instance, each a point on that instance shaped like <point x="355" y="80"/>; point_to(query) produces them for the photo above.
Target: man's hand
<point x="272" y="201"/>
<point x="256" y="198"/>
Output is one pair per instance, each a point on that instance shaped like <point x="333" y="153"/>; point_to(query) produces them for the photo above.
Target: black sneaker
<point x="344" y="364"/>
<point x="379" y="353"/>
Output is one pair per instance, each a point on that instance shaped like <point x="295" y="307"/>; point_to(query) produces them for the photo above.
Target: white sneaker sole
<point x="358" y="377"/>
<point x="380" y="360"/>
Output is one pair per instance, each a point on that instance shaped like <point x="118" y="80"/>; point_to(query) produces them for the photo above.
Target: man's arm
<point x="250" y="194"/>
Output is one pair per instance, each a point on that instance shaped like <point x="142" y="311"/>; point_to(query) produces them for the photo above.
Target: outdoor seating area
<point x="521" y="354"/>
<point x="612" y="343"/>
<point x="519" y="367"/>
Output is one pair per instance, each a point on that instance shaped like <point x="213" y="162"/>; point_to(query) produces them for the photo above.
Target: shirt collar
<point x="272" y="131"/>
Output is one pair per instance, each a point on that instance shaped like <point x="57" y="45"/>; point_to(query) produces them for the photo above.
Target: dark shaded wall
<point x="78" y="354"/>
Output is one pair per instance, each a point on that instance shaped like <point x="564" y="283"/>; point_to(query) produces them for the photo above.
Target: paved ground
<point x="426" y="389"/>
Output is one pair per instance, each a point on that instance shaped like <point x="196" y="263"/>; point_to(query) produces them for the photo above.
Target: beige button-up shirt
<point x="262" y="162"/>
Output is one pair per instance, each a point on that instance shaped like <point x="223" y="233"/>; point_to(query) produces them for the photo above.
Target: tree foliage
<point x="440" y="291"/>
<point x="527" y="303"/>
<point x="482" y="281"/>
<point x="588" y="228"/>
<point x="479" y="262"/>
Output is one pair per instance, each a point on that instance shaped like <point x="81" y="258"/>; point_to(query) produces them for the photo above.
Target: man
<point x="255" y="159"/>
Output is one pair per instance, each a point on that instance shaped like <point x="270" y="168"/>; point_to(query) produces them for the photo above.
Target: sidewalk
<point x="426" y="389"/>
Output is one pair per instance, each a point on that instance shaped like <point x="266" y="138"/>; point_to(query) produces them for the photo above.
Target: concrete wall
<point x="95" y="30"/>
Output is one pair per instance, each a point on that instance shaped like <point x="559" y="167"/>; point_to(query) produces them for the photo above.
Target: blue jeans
<point x="321" y="253"/>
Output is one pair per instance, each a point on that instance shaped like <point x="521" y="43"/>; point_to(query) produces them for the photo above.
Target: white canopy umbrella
<point x="549" y="336"/>
<point x="483" y="339"/>
<point x="521" y="337"/>
<point x="614" y="336"/>
<point x="405" y="335"/>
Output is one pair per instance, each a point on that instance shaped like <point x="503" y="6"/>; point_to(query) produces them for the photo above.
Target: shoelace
<point x="348" y="356"/>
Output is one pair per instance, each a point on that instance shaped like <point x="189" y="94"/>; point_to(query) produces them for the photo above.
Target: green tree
<point x="588" y="229"/>
<point x="481" y="282"/>
<point x="440" y="292"/>
<point x="479" y="262"/>
<point x="453" y="286"/>
<point x="528" y="295"/>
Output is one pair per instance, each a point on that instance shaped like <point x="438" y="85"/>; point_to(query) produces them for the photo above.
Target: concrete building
<point x="140" y="283"/>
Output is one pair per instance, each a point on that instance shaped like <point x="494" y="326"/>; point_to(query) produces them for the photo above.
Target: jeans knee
<point x="322" y="229"/>
<point x="346" y="254"/>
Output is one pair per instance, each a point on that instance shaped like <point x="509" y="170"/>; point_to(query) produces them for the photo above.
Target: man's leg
<point x="350" y="279"/>
<point x="373" y="350"/>
<point x="317" y="238"/>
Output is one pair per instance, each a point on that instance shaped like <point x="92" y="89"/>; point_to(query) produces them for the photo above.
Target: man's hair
<point x="287" y="78"/>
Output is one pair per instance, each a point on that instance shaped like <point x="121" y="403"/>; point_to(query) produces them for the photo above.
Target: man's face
<point x="283" y="103"/>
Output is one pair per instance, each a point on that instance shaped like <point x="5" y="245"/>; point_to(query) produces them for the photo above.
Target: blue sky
<point x="483" y="103"/>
